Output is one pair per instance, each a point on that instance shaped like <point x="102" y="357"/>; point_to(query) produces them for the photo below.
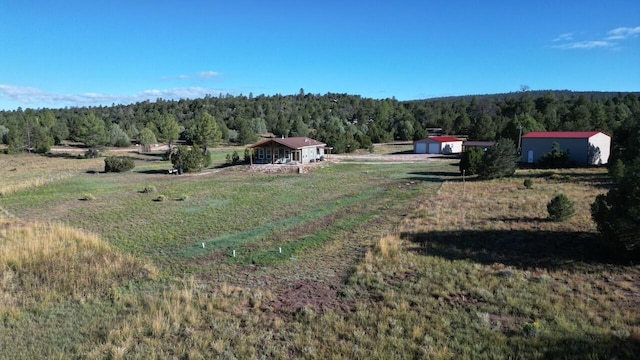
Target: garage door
<point x="421" y="148"/>
<point x="434" y="148"/>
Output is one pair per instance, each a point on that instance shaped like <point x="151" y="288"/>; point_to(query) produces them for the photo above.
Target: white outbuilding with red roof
<point x="583" y="147"/>
<point x="438" y="145"/>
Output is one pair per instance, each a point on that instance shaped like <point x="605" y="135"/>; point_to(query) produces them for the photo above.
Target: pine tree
<point x="499" y="160"/>
<point x="617" y="213"/>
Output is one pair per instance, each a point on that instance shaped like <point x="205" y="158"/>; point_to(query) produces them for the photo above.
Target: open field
<point x="348" y="260"/>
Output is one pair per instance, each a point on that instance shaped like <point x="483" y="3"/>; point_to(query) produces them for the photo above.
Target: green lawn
<point x="227" y="209"/>
<point x="347" y="261"/>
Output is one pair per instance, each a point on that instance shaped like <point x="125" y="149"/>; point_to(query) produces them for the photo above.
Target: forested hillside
<point x="346" y="122"/>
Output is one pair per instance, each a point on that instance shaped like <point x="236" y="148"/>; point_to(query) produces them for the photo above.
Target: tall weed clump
<point x="41" y="262"/>
<point x="388" y="247"/>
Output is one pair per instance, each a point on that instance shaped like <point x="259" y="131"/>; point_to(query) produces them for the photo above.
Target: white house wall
<point x="454" y="147"/>
<point x="602" y="142"/>
<point x="311" y="154"/>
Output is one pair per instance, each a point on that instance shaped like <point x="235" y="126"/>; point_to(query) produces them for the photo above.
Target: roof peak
<point x="562" y="134"/>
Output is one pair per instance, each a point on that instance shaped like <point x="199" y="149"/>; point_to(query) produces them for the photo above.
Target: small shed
<point x="438" y="145"/>
<point x="583" y="147"/>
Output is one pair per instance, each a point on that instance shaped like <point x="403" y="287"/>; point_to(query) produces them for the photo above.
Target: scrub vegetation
<point x="347" y="260"/>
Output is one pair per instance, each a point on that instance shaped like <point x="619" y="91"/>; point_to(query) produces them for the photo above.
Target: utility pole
<point x="520" y="140"/>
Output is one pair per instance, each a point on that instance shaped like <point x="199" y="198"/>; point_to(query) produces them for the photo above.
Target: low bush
<point x="528" y="183"/>
<point x="560" y="208"/>
<point x="160" y="198"/>
<point x="118" y="164"/>
<point x="531" y="329"/>
<point x="190" y="159"/>
<point x="87" y="197"/>
<point x="232" y="159"/>
<point x="92" y="154"/>
<point x="149" y="189"/>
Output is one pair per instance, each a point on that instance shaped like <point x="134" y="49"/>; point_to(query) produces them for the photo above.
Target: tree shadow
<point x="405" y="152"/>
<point x="528" y="220"/>
<point x="590" y="346"/>
<point x="64" y="155"/>
<point x="154" y="172"/>
<point x="440" y="176"/>
<point x="146" y="156"/>
<point x="517" y="248"/>
<point x="434" y="176"/>
<point x="602" y="180"/>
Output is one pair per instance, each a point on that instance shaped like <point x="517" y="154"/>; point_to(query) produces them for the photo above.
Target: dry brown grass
<point x="41" y="262"/>
<point x="23" y="171"/>
<point x="480" y="263"/>
<point x="506" y="204"/>
<point x="388" y="246"/>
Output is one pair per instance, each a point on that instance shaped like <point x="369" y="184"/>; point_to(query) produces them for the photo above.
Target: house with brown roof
<point x="583" y="147"/>
<point x="284" y="150"/>
<point x="438" y="145"/>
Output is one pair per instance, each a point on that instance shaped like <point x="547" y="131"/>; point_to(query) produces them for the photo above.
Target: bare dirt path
<point x="388" y="158"/>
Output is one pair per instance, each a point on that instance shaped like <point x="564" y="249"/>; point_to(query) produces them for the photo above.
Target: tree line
<point x="345" y="122"/>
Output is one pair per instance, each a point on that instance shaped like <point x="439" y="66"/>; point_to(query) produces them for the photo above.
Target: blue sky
<point x="77" y="53"/>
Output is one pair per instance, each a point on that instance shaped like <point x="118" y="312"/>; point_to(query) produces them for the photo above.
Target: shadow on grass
<point x="591" y="347"/>
<point x="154" y="172"/>
<point x="521" y="249"/>
<point x="405" y="152"/>
<point x="601" y="180"/>
<point x="435" y="176"/>
<point x="528" y="220"/>
<point x="146" y="156"/>
<point x="64" y="155"/>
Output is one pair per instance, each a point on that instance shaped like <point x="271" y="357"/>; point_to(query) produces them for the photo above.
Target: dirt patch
<point x="318" y="296"/>
<point x="390" y="158"/>
<point x="506" y="323"/>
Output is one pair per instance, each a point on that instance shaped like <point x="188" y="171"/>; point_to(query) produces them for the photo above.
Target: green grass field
<point x="348" y="260"/>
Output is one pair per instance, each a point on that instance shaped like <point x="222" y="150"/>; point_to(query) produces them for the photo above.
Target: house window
<point x="260" y="153"/>
<point x="269" y="153"/>
<point x="286" y="154"/>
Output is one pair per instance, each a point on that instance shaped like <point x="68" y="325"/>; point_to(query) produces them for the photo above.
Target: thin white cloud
<point x="564" y="37"/>
<point x="584" y="45"/>
<point x="612" y="40"/>
<point x="208" y="74"/>
<point x="200" y="75"/>
<point x="33" y="97"/>
<point x="623" y="33"/>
